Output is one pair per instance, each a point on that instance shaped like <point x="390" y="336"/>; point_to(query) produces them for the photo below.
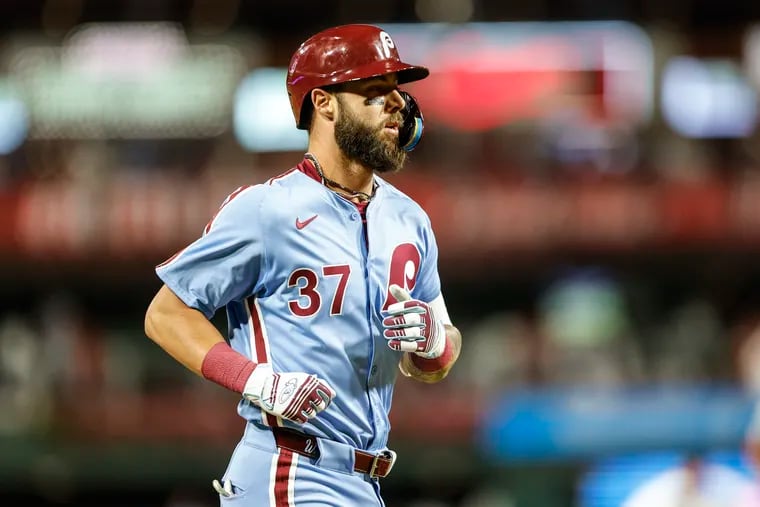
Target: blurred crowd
<point x="586" y="327"/>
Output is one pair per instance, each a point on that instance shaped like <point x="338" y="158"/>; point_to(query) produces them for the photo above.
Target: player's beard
<point x="364" y="144"/>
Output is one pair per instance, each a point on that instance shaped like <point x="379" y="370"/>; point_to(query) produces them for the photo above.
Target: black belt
<point x="376" y="465"/>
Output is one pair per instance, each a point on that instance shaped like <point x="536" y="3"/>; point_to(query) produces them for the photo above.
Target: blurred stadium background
<point x="592" y="170"/>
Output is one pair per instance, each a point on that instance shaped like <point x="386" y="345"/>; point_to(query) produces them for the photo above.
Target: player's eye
<point x="376" y="94"/>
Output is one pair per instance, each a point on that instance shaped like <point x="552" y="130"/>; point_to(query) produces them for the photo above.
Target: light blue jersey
<point x="304" y="282"/>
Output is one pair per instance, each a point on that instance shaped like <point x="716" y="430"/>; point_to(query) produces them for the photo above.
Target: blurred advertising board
<point x="708" y="98"/>
<point x="486" y="75"/>
<point x="586" y="423"/>
<point x="139" y="216"/>
<point x="127" y="80"/>
<point x="263" y="120"/>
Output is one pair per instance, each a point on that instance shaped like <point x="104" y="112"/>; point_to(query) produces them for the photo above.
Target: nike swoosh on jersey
<point x="300" y="225"/>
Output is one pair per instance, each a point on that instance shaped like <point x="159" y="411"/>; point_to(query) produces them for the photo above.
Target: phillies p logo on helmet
<point x="387" y="43"/>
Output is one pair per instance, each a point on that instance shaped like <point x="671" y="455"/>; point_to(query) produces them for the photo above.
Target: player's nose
<point x="394" y="101"/>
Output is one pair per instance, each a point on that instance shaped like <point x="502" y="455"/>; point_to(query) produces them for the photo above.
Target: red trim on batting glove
<point x="439" y="363"/>
<point x="227" y="367"/>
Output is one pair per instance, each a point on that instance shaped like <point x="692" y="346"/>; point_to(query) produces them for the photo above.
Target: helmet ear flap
<point x="410" y="132"/>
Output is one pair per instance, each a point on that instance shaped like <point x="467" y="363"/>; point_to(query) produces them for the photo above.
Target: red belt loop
<point x="375" y="465"/>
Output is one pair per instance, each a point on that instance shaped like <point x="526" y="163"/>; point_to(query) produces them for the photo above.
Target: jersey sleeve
<point x="428" y="284"/>
<point x="225" y="263"/>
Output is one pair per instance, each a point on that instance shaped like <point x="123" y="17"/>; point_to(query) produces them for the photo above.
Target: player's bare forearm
<point x="183" y="332"/>
<point x="409" y="367"/>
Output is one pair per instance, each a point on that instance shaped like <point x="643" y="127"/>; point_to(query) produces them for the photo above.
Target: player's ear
<point x="324" y="103"/>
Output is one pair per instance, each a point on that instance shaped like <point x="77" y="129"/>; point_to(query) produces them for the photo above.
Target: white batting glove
<point x="223" y="489"/>
<point x="297" y="397"/>
<point x="411" y="326"/>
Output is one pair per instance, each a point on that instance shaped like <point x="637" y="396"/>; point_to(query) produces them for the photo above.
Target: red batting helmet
<point x="341" y="54"/>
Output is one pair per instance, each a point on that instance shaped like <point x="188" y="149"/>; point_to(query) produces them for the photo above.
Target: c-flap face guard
<point x="410" y="132"/>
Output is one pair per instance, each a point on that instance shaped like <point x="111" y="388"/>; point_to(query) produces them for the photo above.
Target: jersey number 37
<point x="403" y="269"/>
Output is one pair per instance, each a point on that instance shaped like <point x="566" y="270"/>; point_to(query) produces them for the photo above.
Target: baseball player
<point x="329" y="279"/>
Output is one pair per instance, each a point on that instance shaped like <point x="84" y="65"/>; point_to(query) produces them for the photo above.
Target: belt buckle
<point x="387" y="454"/>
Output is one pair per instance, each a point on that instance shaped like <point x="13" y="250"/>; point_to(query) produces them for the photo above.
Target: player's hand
<point x="411" y="326"/>
<point x="297" y="397"/>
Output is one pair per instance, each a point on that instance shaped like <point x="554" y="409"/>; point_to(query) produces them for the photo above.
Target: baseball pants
<point x="263" y="474"/>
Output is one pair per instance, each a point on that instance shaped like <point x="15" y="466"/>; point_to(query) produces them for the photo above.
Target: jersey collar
<point x="307" y="167"/>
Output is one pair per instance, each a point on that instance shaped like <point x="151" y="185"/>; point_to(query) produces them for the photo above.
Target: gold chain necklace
<point x="362" y="196"/>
